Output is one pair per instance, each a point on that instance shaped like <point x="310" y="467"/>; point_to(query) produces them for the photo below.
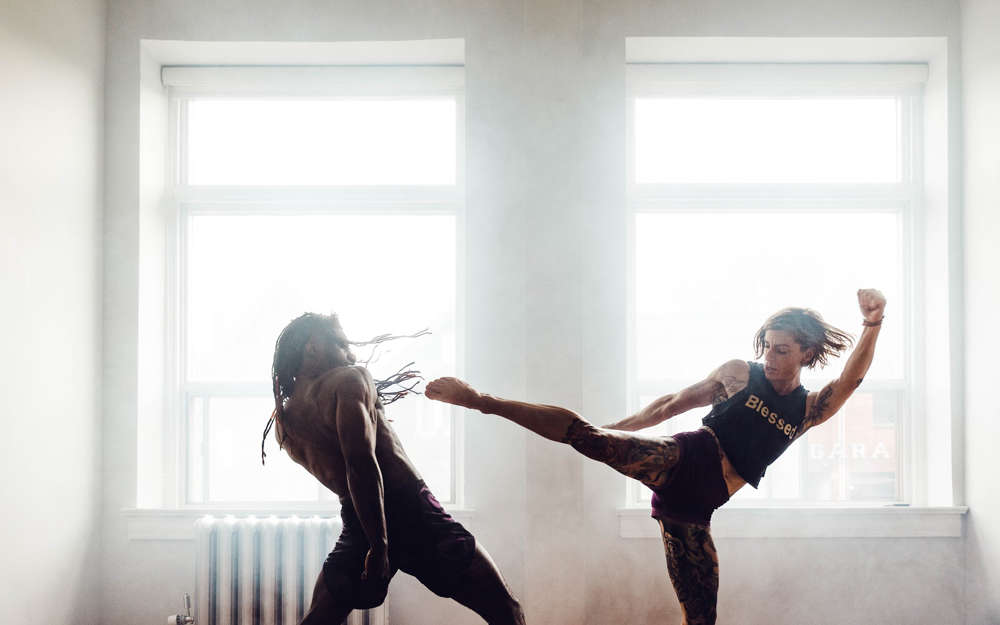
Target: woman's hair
<point x="288" y="352"/>
<point x="810" y="332"/>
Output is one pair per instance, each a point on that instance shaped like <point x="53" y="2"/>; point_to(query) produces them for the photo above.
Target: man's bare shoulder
<point x="350" y="384"/>
<point x="353" y="380"/>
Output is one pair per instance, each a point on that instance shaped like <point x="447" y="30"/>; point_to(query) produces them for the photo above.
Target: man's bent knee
<point x="517" y="613"/>
<point x="358" y="594"/>
<point x="510" y="613"/>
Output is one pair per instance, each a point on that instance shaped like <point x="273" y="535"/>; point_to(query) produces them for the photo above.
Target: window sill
<point x="814" y="522"/>
<point x="179" y="523"/>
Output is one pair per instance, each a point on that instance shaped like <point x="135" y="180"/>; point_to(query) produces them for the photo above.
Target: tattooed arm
<point x="824" y="404"/>
<point x="728" y="379"/>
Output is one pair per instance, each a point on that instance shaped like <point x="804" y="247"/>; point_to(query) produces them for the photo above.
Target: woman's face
<point x="783" y="356"/>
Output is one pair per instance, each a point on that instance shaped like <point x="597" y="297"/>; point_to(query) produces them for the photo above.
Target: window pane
<point x="706" y="281"/>
<point x="424" y="426"/>
<point x="785" y="475"/>
<point x="757" y="140"/>
<point x="196" y="448"/>
<point x="853" y="456"/>
<point x="234" y="472"/>
<point x="248" y="276"/>
<point x="321" y="142"/>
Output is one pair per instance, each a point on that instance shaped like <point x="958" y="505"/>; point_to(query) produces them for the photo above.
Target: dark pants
<point x="424" y="541"/>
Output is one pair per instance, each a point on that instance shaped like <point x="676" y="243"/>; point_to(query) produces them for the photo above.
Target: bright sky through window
<point x="387" y="273"/>
<point x="706" y="281"/>
<point x="741" y="140"/>
<point x="322" y="142"/>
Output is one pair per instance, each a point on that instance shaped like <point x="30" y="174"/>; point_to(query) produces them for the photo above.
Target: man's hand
<point x="872" y="304"/>
<point x="376" y="566"/>
<point x="452" y="391"/>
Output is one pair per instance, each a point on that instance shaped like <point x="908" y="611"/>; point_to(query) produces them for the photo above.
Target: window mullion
<point x="206" y="429"/>
<point x="236" y="200"/>
<point x="707" y="201"/>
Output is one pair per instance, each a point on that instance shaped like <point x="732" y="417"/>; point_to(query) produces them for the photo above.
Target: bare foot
<point x="452" y="391"/>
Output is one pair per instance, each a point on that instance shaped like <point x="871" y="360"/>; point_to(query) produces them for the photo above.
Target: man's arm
<point x="356" y="429"/>
<point x="832" y="397"/>
<point x="718" y="386"/>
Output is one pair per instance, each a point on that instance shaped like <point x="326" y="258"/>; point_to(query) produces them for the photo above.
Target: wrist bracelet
<point x="872" y="324"/>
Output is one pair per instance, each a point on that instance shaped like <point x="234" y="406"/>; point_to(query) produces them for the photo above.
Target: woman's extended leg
<point x="645" y="458"/>
<point x="693" y="565"/>
<point x="648" y="459"/>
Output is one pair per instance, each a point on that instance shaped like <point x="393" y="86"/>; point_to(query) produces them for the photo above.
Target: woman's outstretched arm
<point x="727" y="380"/>
<point x="822" y="405"/>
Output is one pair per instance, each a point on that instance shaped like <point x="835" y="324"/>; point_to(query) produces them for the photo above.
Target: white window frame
<point x="289" y="82"/>
<point x="906" y="198"/>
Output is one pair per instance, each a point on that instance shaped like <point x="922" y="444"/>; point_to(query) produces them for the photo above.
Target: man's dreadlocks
<point x="288" y="351"/>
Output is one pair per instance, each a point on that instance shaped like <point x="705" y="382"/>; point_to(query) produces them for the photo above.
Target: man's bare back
<point x="316" y="445"/>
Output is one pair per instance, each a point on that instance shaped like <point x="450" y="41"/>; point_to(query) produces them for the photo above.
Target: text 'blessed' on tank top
<point x="756" y="425"/>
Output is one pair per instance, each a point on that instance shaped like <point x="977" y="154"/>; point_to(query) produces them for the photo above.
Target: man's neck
<point x="313" y="373"/>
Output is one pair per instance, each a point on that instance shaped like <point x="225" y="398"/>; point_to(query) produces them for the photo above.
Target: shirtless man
<point x="757" y="411"/>
<point x="329" y="419"/>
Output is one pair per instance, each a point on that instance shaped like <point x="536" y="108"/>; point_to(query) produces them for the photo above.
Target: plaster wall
<point x="51" y="170"/>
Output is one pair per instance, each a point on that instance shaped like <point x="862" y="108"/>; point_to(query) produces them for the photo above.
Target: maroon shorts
<point x="424" y="541"/>
<point x="695" y="486"/>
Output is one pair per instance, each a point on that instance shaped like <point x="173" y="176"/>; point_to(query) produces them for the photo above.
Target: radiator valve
<point x="182" y="619"/>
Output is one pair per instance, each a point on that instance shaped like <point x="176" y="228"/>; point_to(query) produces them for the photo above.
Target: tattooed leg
<point x="693" y="565"/>
<point x="645" y="458"/>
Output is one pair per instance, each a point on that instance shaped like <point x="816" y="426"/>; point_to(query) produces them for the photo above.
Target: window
<point x="753" y="188"/>
<point x="340" y="194"/>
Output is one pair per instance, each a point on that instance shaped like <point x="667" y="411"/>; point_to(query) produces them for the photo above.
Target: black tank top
<point x="756" y="425"/>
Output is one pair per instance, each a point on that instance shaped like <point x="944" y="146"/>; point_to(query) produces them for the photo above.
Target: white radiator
<point x="262" y="571"/>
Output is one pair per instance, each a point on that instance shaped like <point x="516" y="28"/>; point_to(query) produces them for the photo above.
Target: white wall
<point x="981" y="97"/>
<point x="51" y="168"/>
<point x="546" y="180"/>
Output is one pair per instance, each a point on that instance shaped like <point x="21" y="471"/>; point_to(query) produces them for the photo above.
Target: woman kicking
<point x="757" y="411"/>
